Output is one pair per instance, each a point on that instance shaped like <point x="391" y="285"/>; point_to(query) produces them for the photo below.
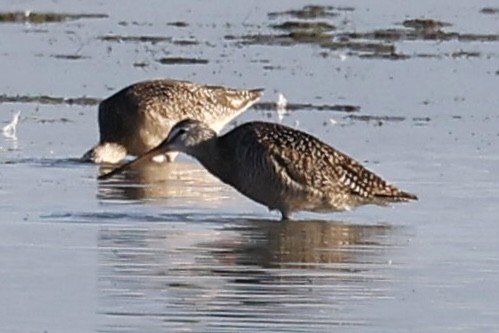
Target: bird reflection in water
<point x="307" y="244"/>
<point x="308" y="274"/>
<point x="161" y="181"/>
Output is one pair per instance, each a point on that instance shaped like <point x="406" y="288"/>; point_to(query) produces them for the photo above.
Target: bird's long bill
<point x="136" y="162"/>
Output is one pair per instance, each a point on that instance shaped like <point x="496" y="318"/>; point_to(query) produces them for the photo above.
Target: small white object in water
<point x="9" y="130"/>
<point x="281" y="106"/>
<point x="342" y="57"/>
<point x="332" y="121"/>
<point x="281" y="101"/>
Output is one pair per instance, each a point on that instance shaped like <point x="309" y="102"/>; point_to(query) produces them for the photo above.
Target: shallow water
<point x="170" y="248"/>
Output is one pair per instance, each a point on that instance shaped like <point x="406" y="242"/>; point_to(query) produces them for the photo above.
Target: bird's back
<point x="287" y="169"/>
<point x="139" y="115"/>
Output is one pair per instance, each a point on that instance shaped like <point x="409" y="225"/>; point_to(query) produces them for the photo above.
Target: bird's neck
<point x="214" y="158"/>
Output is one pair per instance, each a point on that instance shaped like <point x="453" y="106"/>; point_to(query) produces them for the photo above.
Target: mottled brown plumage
<point x="280" y="167"/>
<point x="137" y="118"/>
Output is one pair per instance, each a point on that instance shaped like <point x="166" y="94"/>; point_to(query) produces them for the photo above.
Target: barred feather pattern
<point x="290" y="170"/>
<point x="139" y="116"/>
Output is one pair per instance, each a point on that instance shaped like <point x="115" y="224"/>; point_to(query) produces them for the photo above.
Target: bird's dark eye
<point x="181" y="131"/>
<point x="175" y="133"/>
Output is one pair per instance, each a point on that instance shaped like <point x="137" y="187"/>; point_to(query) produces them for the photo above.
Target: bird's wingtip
<point x="257" y="92"/>
<point x="408" y="196"/>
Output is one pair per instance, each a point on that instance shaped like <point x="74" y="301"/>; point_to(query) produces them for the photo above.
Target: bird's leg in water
<point x="285" y="216"/>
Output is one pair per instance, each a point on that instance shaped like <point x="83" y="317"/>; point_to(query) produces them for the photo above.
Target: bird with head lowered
<point x="277" y="166"/>
<point x="136" y="118"/>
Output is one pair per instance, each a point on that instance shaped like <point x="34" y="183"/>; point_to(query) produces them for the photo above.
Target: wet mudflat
<point x="410" y="91"/>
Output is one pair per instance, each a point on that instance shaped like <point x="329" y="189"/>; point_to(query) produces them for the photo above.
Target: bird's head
<point x="187" y="136"/>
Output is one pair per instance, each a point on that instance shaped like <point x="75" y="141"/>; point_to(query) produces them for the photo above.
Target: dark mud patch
<point x="270" y="106"/>
<point x="490" y="10"/>
<point x="42" y="99"/>
<point x="273" y="68"/>
<point x="289" y="39"/>
<point x="422" y="119"/>
<point x="185" y="42"/>
<point x="418" y="29"/>
<point x="323" y="40"/>
<point x="309" y="30"/>
<point x="178" y="24"/>
<point x="69" y="56"/>
<point x="53" y="121"/>
<point x="427" y="25"/>
<point x="304" y="32"/>
<point x="41" y="17"/>
<point x="377" y="44"/>
<point x="385" y="56"/>
<point x="304" y="25"/>
<point x="465" y="54"/>
<point x="134" y="39"/>
<point x="312" y="12"/>
<point x="140" y="64"/>
<point x="182" y="61"/>
<point x="361" y="47"/>
<point x="368" y="118"/>
<point x="455" y="55"/>
<point x="380" y="120"/>
<point x="135" y="23"/>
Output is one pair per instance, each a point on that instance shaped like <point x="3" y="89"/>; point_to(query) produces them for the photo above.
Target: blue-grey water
<point x="168" y="248"/>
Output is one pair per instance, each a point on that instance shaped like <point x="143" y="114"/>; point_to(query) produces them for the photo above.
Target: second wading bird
<point x="136" y="118"/>
<point x="279" y="167"/>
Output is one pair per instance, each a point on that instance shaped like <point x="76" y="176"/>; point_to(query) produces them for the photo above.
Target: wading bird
<point x="136" y="118"/>
<point x="279" y="167"/>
